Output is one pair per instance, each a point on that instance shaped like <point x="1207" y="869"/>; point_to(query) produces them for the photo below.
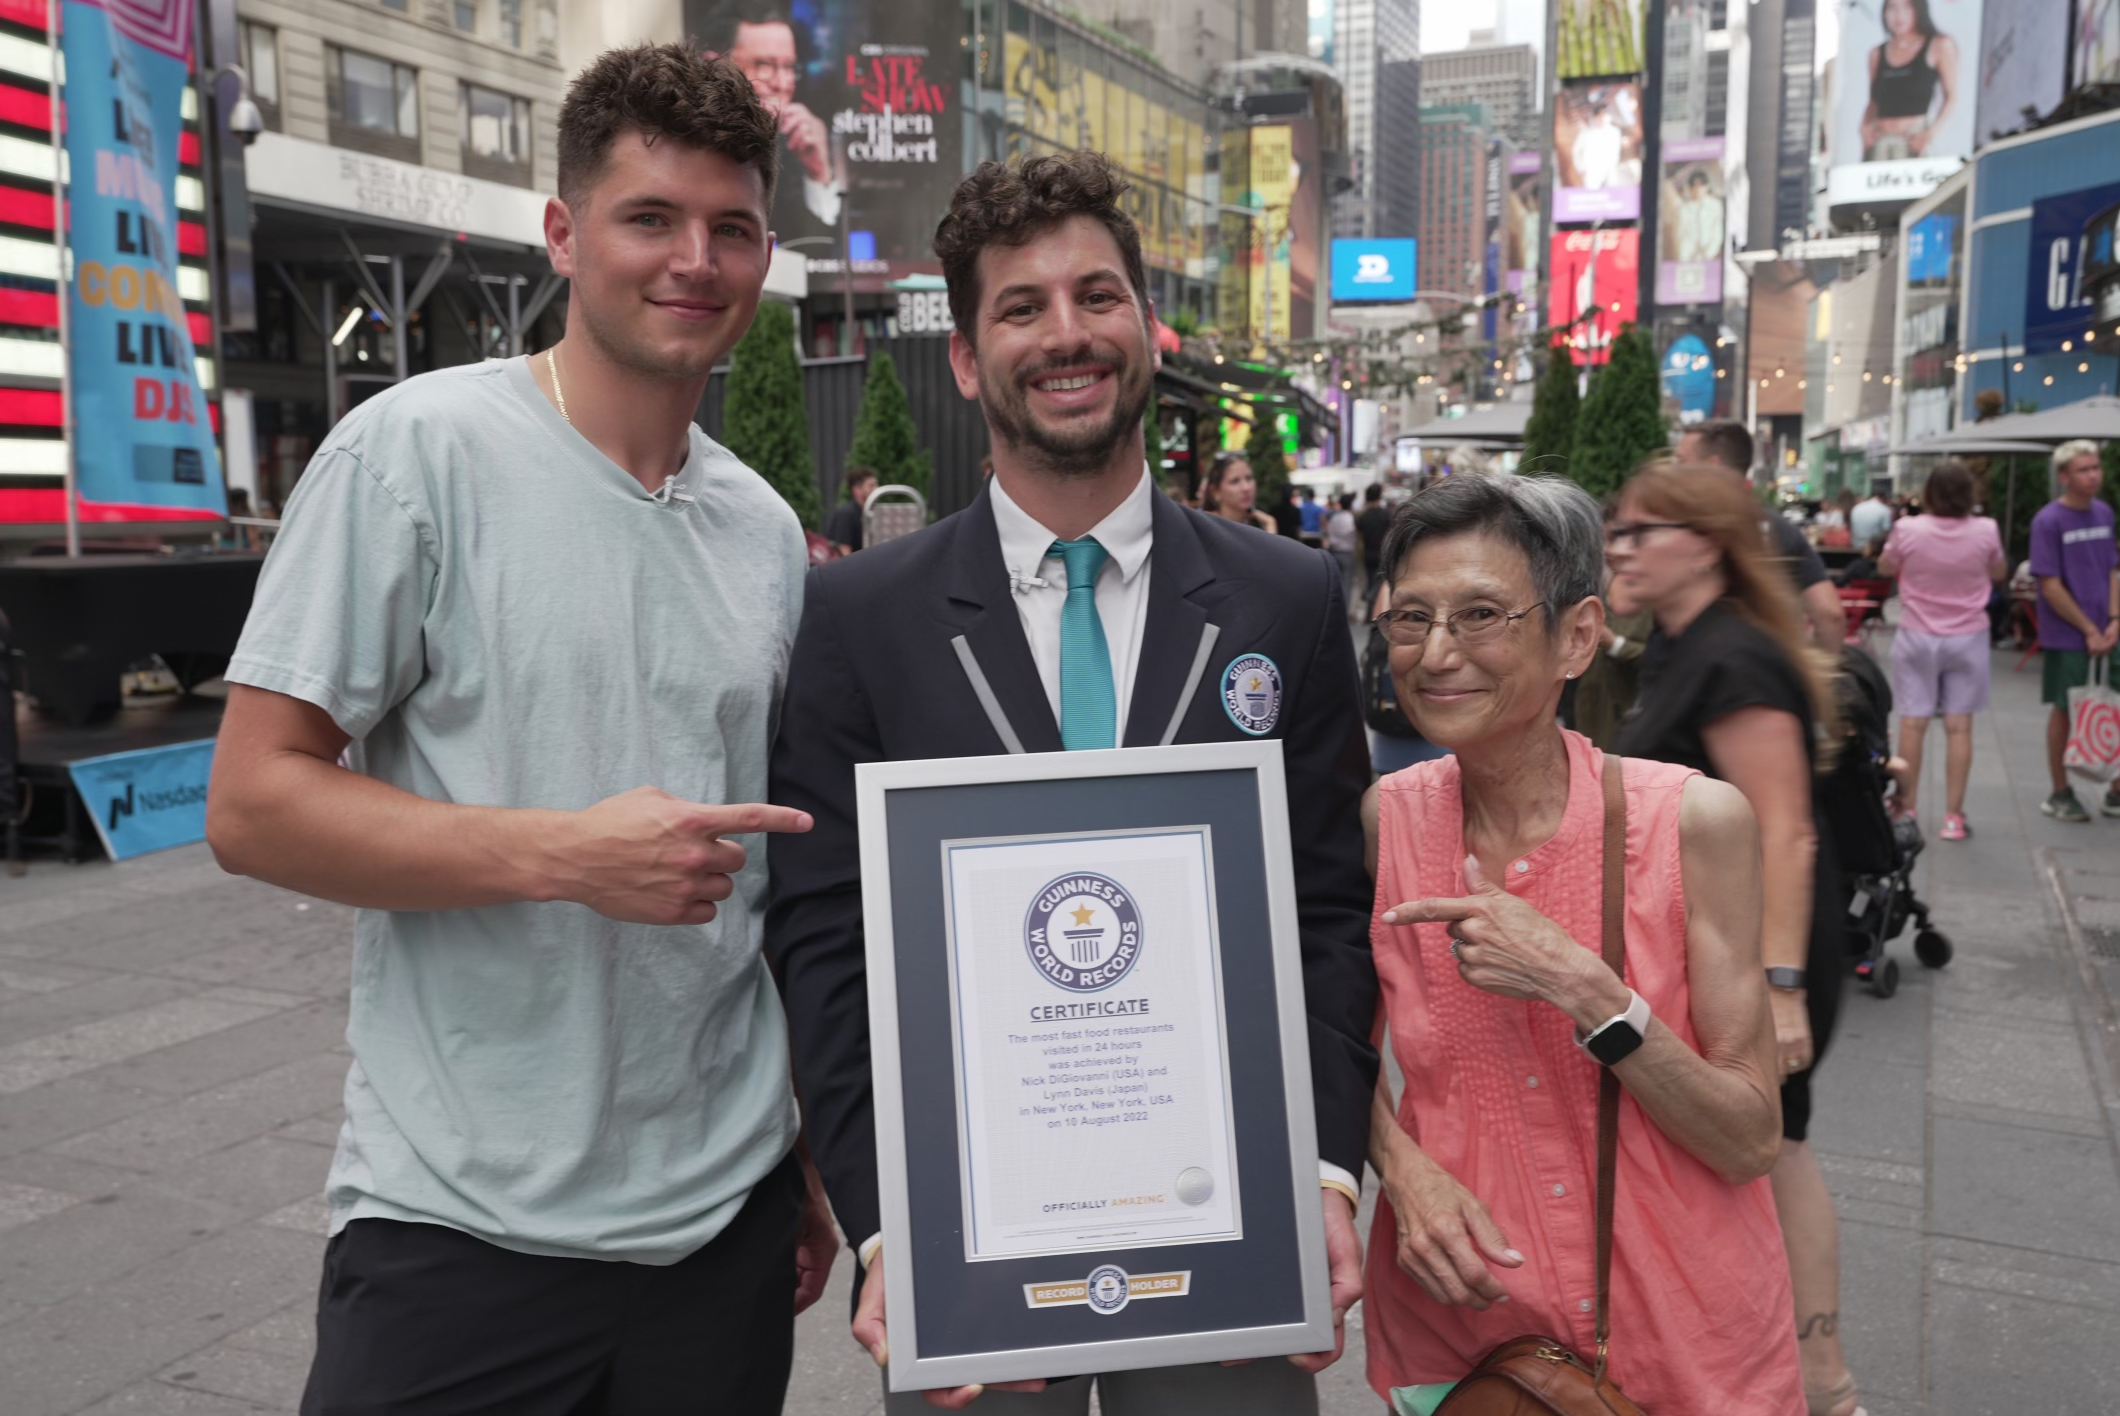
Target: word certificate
<point x="1092" y="1060"/>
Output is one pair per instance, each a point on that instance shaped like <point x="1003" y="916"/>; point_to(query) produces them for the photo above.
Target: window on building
<point x="466" y="15"/>
<point x="398" y="5"/>
<point x="258" y="51"/>
<point x="496" y="135"/>
<point x="374" y="104"/>
<point x="511" y="22"/>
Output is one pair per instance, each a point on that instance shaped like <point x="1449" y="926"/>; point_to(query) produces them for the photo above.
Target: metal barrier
<point x="902" y="514"/>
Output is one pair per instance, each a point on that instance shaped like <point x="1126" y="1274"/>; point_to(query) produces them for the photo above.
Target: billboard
<point x="2097" y="51"/>
<point x="1689" y="377"/>
<point x="1373" y="270"/>
<point x="1598" y="38"/>
<point x="142" y="432"/>
<point x="1601" y="268"/>
<point x="868" y="106"/>
<point x="1902" y="117"/>
<point x="2057" y="315"/>
<point x="1597" y="152"/>
<point x="2023" y="65"/>
<point x="1689" y="238"/>
<point x="1520" y="221"/>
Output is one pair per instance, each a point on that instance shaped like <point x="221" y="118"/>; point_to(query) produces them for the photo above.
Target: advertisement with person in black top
<point x="1730" y="686"/>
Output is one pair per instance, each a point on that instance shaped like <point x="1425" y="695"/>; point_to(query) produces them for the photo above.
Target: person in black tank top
<point x="1907" y="71"/>
<point x="1731" y="686"/>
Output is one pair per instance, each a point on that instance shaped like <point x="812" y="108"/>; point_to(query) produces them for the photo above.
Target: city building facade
<point x="1501" y="78"/>
<point x="1376" y="51"/>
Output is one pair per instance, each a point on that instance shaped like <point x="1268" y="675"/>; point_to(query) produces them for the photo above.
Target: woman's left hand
<point x="1504" y="946"/>
<point x="1792" y="1029"/>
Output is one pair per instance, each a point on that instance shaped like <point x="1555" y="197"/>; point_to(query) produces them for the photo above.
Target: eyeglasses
<point x="1630" y="533"/>
<point x="1475" y="624"/>
<point x="761" y="69"/>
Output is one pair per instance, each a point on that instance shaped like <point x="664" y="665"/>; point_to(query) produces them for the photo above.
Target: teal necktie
<point x="1089" y="713"/>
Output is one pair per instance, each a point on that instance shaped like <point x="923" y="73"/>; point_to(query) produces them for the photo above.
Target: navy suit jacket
<point x="875" y="677"/>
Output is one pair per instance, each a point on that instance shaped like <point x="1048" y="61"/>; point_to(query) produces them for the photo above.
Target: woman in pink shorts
<point x="1947" y="561"/>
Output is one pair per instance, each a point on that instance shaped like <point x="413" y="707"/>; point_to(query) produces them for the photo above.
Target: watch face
<point x="1613" y="1043"/>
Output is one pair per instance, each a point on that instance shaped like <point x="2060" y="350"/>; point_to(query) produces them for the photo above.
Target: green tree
<point x="1622" y="418"/>
<point x="1550" y="435"/>
<point x="884" y="435"/>
<point x="1267" y="455"/>
<point x="763" y="421"/>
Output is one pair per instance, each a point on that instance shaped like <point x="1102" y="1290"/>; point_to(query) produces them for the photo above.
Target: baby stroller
<point x="1875" y="852"/>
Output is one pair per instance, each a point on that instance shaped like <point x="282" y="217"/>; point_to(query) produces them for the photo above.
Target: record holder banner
<point x="142" y="432"/>
<point x="1093" y="1105"/>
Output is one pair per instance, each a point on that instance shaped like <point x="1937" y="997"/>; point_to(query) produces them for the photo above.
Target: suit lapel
<point x="1171" y="638"/>
<point x="994" y="630"/>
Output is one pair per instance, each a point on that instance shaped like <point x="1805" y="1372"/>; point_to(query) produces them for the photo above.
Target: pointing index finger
<point x="748" y="817"/>
<point x="1431" y="911"/>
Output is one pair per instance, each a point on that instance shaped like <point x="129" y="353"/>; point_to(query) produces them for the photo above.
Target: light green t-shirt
<point x="499" y="615"/>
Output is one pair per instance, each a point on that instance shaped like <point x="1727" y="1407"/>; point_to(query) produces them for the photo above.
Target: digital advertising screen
<point x="1903" y="102"/>
<point x="1600" y="268"/>
<point x="1373" y="270"/>
<point x="1689" y="254"/>
<point x="1597" y="152"/>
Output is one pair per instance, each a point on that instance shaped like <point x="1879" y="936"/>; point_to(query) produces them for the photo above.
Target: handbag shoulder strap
<point x="1614" y="944"/>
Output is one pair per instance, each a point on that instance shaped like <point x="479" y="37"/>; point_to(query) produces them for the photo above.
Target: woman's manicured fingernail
<point x="1391" y="916"/>
<point x="1512" y="1256"/>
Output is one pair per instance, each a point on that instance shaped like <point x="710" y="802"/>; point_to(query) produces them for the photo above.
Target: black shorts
<point x="424" y="1320"/>
<point x="1825" y="968"/>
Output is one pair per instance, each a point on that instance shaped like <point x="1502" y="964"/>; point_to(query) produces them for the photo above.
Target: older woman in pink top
<point x="1947" y="561"/>
<point x="1487" y="940"/>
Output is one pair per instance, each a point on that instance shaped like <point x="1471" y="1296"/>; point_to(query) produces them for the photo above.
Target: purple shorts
<point x="1939" y="673"/>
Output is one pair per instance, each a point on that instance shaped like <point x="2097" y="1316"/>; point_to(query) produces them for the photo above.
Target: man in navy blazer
<point x="962" y="640"/>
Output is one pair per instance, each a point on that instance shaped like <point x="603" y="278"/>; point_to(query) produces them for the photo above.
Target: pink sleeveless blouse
<point x="1499" y="1095"/>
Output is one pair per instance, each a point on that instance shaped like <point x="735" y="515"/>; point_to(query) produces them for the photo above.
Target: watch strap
<point x="1783" y="977"/>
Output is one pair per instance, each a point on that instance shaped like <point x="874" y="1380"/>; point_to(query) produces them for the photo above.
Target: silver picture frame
<point x="922" y="1360"/>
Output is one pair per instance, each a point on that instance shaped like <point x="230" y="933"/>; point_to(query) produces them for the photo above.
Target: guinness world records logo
<point x="1083" y="932"/>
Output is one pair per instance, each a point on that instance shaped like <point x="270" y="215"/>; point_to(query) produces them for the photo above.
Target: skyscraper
<point x="1376" y="50"/>
<point x="1501" y="78"/>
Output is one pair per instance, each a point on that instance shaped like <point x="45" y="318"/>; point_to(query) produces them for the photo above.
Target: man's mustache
<point x="1055" y="366"/>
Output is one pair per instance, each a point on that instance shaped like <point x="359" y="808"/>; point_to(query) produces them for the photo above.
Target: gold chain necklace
<point x="559" y="395"/>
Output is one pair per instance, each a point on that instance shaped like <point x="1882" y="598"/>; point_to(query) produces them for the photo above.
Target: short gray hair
<point x="2071" y="450"/>
<point x="1551" y="520"/>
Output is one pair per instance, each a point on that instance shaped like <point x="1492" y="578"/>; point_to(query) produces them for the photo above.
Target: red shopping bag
<point x="2094" y="728"/>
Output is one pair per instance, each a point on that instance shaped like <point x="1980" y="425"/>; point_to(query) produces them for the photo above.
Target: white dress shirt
<point x="1122" y="587"/>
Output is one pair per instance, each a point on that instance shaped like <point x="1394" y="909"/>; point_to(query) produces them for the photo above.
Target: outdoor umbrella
<point x="2097" y="418"/>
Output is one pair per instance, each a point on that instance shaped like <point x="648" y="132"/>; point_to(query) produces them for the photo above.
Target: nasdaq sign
<point x="1373" y="270"/>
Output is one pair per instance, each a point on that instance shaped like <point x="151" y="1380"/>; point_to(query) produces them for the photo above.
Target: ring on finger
<point x="1457" y="948"/>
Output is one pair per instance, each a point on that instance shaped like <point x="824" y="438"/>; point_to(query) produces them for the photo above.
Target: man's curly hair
<point x="663" y="91"/>
<point x="1000" y="205"/>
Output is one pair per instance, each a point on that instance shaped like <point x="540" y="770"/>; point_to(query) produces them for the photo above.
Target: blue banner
<point x="2056" y="311"/>
<point x="141" y="430"/>
<point x="147" y="800"/>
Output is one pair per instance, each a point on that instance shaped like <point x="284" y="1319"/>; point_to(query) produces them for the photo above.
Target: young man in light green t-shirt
<point x="549" y="622"/>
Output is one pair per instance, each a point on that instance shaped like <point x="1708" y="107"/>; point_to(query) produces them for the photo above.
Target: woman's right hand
<point x="1446" y="1237"/>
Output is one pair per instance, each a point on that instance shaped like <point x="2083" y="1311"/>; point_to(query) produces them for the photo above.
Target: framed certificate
<point x="1093" y="1108"/>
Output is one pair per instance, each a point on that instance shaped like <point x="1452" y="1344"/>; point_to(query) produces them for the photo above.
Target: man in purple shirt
<point x="2078" y="569"/>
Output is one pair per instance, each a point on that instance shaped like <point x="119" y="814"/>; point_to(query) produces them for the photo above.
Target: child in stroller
<point x="1876" y="850"/>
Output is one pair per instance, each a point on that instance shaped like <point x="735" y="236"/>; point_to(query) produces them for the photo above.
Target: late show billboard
<point x="872" y="136"/>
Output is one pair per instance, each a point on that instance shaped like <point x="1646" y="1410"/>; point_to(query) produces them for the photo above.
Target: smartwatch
<point x="1790" y="979"/>
<point x="1614" y="1040"/>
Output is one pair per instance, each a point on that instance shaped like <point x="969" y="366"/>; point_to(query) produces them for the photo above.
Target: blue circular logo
<point x="1109" y="1289"/>
<point x="1251" y="693"/>
<point x="1083" y="932"/>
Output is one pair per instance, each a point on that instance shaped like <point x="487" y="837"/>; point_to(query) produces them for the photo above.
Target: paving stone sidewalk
<point x="171" y="1055"/>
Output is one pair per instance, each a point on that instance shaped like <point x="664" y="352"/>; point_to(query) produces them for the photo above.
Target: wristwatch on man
<point x="1790" y="980"/>
<point x="1614" y="1040"/>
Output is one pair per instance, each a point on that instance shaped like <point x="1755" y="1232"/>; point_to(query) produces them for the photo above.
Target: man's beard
<point x="1077" y="451"/>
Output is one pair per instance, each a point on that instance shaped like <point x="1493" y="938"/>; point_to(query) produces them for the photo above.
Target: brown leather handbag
<point x="1541" y="1376"/>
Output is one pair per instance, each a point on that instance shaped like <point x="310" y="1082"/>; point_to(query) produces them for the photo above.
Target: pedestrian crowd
<point x="535" y="679"/>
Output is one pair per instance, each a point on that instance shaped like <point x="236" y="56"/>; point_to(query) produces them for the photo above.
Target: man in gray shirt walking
<point x="548" y="622"/>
